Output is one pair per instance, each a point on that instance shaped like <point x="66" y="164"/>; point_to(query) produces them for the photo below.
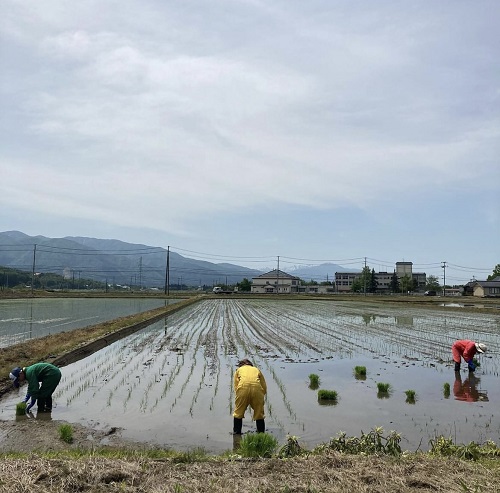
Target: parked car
<point x="430" y="293"/>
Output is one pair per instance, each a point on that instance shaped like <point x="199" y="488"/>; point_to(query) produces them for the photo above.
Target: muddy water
<point x="171" y="384"/>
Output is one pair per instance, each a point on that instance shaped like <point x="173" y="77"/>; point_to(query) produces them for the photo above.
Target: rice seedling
<point x="446" y="390"/>
<point x="360" y="372"/>
<point x="476" y="362"/>
<point x="313" y="381"/>
<point x="410" y="396"/>
<point x="258" y="445"/>
<point x="327" y="395"/>
<point x="383" y="389"/>
<point x="66" y="433"/>
<point x="20" y="408"/>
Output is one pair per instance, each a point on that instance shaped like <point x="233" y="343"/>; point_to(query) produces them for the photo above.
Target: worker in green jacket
<point x="42" y="378"/>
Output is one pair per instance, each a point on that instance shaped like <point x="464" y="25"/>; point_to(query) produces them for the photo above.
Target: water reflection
<point x="467" y="390"/>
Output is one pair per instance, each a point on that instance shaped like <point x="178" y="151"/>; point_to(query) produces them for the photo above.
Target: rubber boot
<point x="457" y="366"/>
<point x="40" y="402"/>
<point x="48" y="403"/>
<point x="261" y="425"/>
<point x="237" y="424"/>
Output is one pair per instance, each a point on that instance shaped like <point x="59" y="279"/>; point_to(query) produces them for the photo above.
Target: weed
<point x="258" y="445"/>
<point x="66" y="433"/>
<point x="20" y="408"/>
<point x="313" y="381"/>
<point x="472" y="451"/>
<point x="327" y="395"/>
<point x="373" y="442"/>
<point x="292" y="448"/>
<point x="194" y="455"/>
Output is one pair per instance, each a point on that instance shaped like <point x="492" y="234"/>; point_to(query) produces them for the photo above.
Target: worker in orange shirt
<point x="250" y="388"/>
<point x="466" y="349"/>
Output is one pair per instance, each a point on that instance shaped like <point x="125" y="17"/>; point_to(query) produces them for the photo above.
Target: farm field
<point x="28" y="318"/>
<point x="171" y="383"/>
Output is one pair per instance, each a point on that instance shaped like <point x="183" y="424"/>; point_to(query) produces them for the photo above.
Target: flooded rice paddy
<point x="23" y="319"/>
<point x="171" y="383"/>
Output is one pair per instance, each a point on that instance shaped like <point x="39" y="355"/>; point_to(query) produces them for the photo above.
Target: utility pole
<point x="33" y="270"/>
<point x="444" y="278"/>
<point x="278" y="277"/>
<point x="364" y="277"/>
<point x="167" y="273"/>
<point x="140" y="274"/>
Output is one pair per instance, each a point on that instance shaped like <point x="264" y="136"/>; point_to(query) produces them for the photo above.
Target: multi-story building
<point x="345" y="280"/>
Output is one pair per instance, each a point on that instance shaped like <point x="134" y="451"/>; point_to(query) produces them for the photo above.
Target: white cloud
<point x="315" y="105"/>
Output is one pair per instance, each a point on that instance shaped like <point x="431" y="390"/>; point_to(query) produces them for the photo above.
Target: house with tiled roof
<point x="487" y="289"/>
<point x="275" y="282"/>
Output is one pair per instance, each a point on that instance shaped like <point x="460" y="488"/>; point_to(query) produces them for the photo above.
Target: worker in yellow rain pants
<point x="250" y="388"/>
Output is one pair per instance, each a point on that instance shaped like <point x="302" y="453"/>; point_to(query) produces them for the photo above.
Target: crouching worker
<point x="250" y="388"/>
<point x="45" y="374"/>
<point x="466" y="349"/>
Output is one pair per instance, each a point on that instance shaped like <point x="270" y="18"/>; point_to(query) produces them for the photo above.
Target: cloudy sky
<point x="244" y="130"/>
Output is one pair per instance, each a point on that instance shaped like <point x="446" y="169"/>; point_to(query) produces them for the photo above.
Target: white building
<point x="275" y="281"/>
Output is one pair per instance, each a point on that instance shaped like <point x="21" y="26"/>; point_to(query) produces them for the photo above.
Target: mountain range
<point x="118" y="262"/>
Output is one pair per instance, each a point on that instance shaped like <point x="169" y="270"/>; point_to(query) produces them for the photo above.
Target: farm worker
<point x="466" y="349"/>
<point x="250" y="388"/>
<point x="45" y="374"/>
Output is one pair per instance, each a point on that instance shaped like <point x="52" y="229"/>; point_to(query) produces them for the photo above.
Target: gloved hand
<point x="472" y="366"/>
<point x="31" y="404"/>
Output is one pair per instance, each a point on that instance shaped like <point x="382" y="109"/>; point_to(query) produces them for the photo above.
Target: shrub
<point x="66" y="433"/>
<point x="327" y="395"/>
<point x="258" y="445"/>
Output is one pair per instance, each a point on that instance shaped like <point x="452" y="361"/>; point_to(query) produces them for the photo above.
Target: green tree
<point x="245" y="285"/>
<point x="394" y="284"/>
<point x="362" y="283"/>
<point x="432" y="283"/>
<point x="373" y="284"/>
<point x="496" y="273"/>
<point x="406" y="283"/>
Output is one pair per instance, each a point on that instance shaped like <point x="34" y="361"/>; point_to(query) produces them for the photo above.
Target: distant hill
<point x="113" y="261"/>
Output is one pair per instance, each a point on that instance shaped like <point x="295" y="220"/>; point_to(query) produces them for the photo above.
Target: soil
<point x="47" y="465"/>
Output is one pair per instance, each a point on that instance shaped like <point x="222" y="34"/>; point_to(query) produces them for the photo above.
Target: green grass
<point x="20" y="408"/>
<point x="66" y="433"/>
<point x="360" y="371"/>
<point x="327" y="395"/>
<point x="313" y="381"/>
<point x="258" y="445"/>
